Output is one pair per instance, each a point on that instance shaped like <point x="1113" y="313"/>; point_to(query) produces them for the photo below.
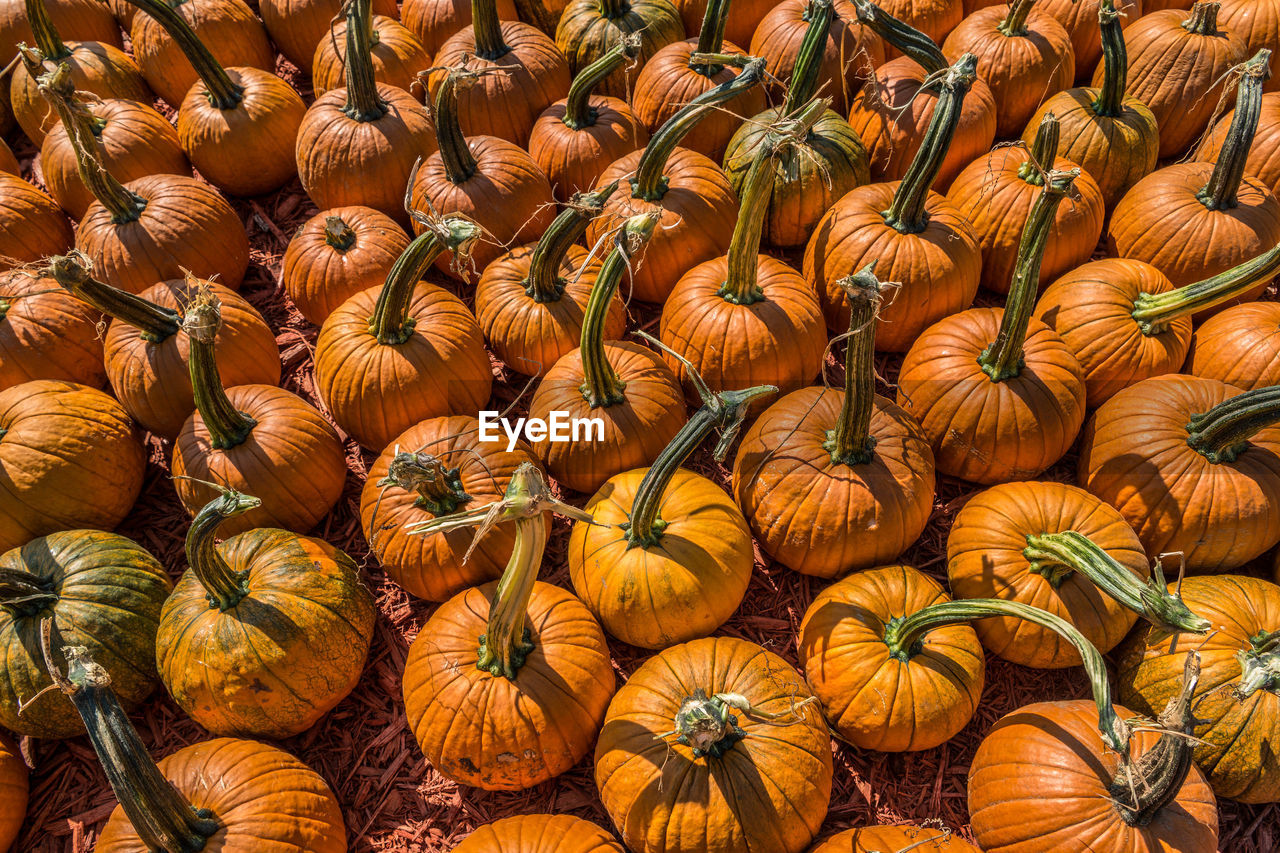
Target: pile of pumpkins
<point x="545" y="171"/>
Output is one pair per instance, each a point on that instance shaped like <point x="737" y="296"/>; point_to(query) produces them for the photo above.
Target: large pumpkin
<point x="589" y="29"/>
<point x="297" y="26"/>
<point x="895" y="839"/>
<point x="1239" y="346"/>
<point x="738" y="27"/>
<point x="32" y="227"/>
<point x="1263" y="161"/>
<point x="539" y="833"/>
<point x="83" y="20"/>
<point x="46" y="334"/>
<point x="434" y="21"/>
<point x="1258" y="23"/>
<point x="396" y="57"/>
<point x="13" y="792"/>
<point x="1085" y="21"/>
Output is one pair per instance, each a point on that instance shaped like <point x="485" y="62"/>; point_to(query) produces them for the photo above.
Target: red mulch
<point x="391" y="798"/>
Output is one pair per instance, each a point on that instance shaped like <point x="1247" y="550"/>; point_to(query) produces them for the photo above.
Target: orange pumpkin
<point x="32" y="226"/>
<point x="1239" y="346"/>
<point x="396" y="55"/>
<point x="935" y="18"/>
<point x="46" y="334"/>
<point x="539" y="833"/>
<point x="14" y="791"/>
<point x="297" y="26"/>
<point x="8" y="162"/>
<point x="83" y="20"/>
<point x="895" y="839"/>
<point x="1258" y="23"/>
<point x="738" y="27"/>
<point x="590" y="29"/>
<point x="1263" y="161"/>
<point x="434" y="21"/>
<point x="1083" y="21"/>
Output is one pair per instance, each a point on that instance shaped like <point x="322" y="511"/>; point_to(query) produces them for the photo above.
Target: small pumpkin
<point x="396" y="55"/>
<point x="589" y="29"/>
<point x="1258" y="23"/>
<point x="97" y="590"/>
<point x="725" y="717"/>
<point x="525" y="705"/>
<point x="14" y="790"/>
<point x="1239" y="346"/>
<point x="434" y="21"/>
<point x="46" y="334"/>
<point x="32" y="226"/>
<point x="895" y="839"/>
<point x="539" y="833"/>
<point x="297" y="26"/>
<point x="1263" y="161"/>
<point x="1084" y="22"/>
<point x="738" y="27"/>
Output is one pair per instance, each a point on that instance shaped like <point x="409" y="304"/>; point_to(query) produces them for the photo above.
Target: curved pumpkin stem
<point x="488" y="29"/>
<point x="227" y="426"/>
<point x="222" y="93"/>
<point x="1015" y="23"/>
<point x="851" y="442"/>
<point x="711" y="36"/>
<point x="1044" y="151"/>
<point x="1154" y="312"/>
<point x="391" y="323"/>
<point x="439" y="489"/>
<point x="923" y="50"/>
<point x="224" y="586"/>
<point x="1220" y="193"/>
<point x="459" y="163"/>
<point x="1222" y="433"/>
<point x="1259" y="666"/>
<point x="1115" y="63"/>
<point x="741" y="286"/>
<point x="1003" y="358"/>
<point x="24" y="594"/>
<point x="363" y="102"/>
<point x="578" y="112"/>
<point x="156" y="324"/>
<point x="807" y="70"/>
<point x="544" y="283"/>
<point x="46" y="34"/>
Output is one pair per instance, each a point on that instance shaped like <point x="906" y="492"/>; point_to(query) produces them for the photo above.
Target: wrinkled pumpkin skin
<point x="895" y="839"/>
<point x="110" y="591"/>
<point x="13" y="792"/>
<point x="539" y="833"/>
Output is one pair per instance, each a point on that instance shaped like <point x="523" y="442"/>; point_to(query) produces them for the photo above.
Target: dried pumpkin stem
<point x="439" y="489"/>
<point x="25" y="594"/>
<point x="1002" y="359"/>
<point x="46" y="34"/>
<point x="459" y="163"/>
<point x="741" y="285"/>
<point x="905" y="637"/>
<point x="807" y="72"/>
<point x="1044" y="151"/>
<point x="227" y="426"/>
<point x="223" y="586"/>
<point x="1222" y="433"/>
<point x="156" y="324"/>
<point x="578" y="112"/>
<point x="1015" y="23"/>
<point x="1154" y="312"/>
<point x="544" y="284"/>
<point x="1259" y="666"/>
<point x="488" y="29"/>
<point x="222" y="92"/>
<point x="1115" y="63"/>
<point x="1221" y="192"/>
<point x="363" y="102"/>
<point x="338" y="234"/>
<point x="161" y="816"/>
<point x="711" y="36"/>
<point x="851" y="442"/>
<point x="1203" y="20"/>
<point x="391" y="323"/>
<point x="901" y="35"/>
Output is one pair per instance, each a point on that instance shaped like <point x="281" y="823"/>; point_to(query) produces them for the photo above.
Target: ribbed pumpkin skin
<point x="76" y="437"/>
<point x="939" y="267"/>
<point x="269" y="801"/>
<point x="573" y="160"/>
<point x="228" y="28"/>
<point x="376" y="392"/>
<point x="740" y="24"/>
<point x="934" y="18"/>
<point x="779" y="771"/>
<point x="697" y="216"/>
<point x="431" y="567"/>
<point x="868" y="514"/>
<point x="635" y="430"/>
<point x="319" y="277"/>
<point x="683" y="587"/>
<point x="32" y="226"/>
<point x="102" y="69"/>
<point x="1091" y="309"/>
<point x="46" y="333"/>
<point x="895" y="839"/>
<point x="891" y="115"/>
<point x="1080" y="19"/>
<point x="985" y="560"/>
<point x="137" y="141"/>
<point x="539" y="833"/>
<point x="110" y="591"/>
<point x="281" y="658"/>
<point x="86" y="20"/>
<point x="1135" y="457"/>
<point x="872" y="699"/>
<point x="500" y="735"/>
<point x="1235" y="749"/>
<point x="292" y="460"/>
<point x="584" y="35"/>
<point x="1258" y="23"/>
<point x="8" y="162"/>
<point x="1179" y="75"/>
<point x="1017" y="807"/>
<point x="1239" y="346"/>
<point x="153" y="381"/>
<point x="995" y="199"/>
<point x="186" y="226"/>
<point x="1263" y="161"/>
<point x="396" y="54"/>
<point x="434" y="21"/>
<point x="297" y="26"/>
<point x="14" y="790"/>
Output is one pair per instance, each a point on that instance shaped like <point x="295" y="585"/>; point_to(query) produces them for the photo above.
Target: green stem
<point x="1222" y="433"/>
<point x="224" y="586"/>
<point x="46" y="34"/>
<point x="24" y="594"/>
<point x="612" y="10"/>
<point x="1003" y="358"/>
<point x="227" y="426"/>
<point x="1259" y="666"/>
<point x="807" y="72"/>
<point x="907" y="212"/>
<point x="544" y="283"/>
<point x="851" y="442"/>
<point x="363" y="102"/>
<point x="439" y="489"/>
<point x="488" y="29"/>
<point x="459" y="163"/>
<point x="1115" y="63"/>
<point x="1204" y="19"/>
<point x="578" y="112"/>
<point x="1015" y="23"/>
<point x="155" y="323"/>
<point x="391" y="323"/>
<point x="741" y="286"/>
<point x="1044" y="151"/>
<point x="223" y="94"/>
<point x="1220" y="193"/>
<point x="338" y="234"/>
<point x="1154" y="312"/>
<point x="901" y="35"/>
<point x="711" y="36"/>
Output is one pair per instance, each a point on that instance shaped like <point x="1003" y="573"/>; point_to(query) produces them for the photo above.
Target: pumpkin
<point x="895" y="839"/>
<point x="32" y="226"/>
<point x="396" y="55"/>
<point x="1178" y="63"/>
<point x="1062" y="550"/>
<point x="539" y="833"/>
<point x="589" y="29"/>
<point x="1125" y="321"/>
<point x="393" y="355"/>
<point x="738" y="27"/>
<point x="730" y="720"/>
<point x="14" y="785"/>
<point x="543" y="14"/>
<point x="1258" y="23"/>
<point x="520" y="72"/>
<point x="1083" y="21"/>
<point x="576" y="138"/>
<point x="683" y="71"/>
<point x="524" y="704"/>
<point x="432" y="470"/>
<point x="233" y="35"/>
<point x="622" y="393"/>
<point x="861" y="452"/>
<point x="257" y="437"/>
<point x="46" y="334"/>
<point x="83" y="20"/>
<point x="823" y="159"/>
<point x="935" y="18"/>
<point x="918" y="237"/>
<point x="1110" y="133"/>
<point x="359" y="144"/>
<point x="298" y="26"/>
<point x="434" y="21"/>
<point x="485" y="179"/>
<point x="78" y="439"/>
<point x="1045" y="775"/>
<point x="8" y="162"/>
<point x="1193" y="465"/>
<point x="996" y="193"/>
<point x="146" y="357"/>
<point x="224" y="794"/>
<point x="1024" y="55"/>
<point x="892" y="113"/>
<point x="1238" y="706"/>
<point x="998" y="394"/>
<point x="336" y="254"/>
<point x="1263" y="161"/>
<point x="664" y="555"/>
<point x="100" y="591"/>
<point x="531" y="302"/>
<point x="1239" y="346"/>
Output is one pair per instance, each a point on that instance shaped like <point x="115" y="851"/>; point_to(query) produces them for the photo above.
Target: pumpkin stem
<point x="612" y="10"/>
<point x="1056" y="556"/>
<point x="578" y="112"/>
<point x="1002" y="359"/>
<point x="923" y="50"/>
<point x="59" y="89"/>
<point x="24" y="594"/>
<point x="1203" y="20"/>
<point x="807" y="71"/>
<point x="1224" y="184"/>
<point x="227" y="426"/>
<point x="391" y="323"/>
<point x="363" y="102"/>
<point x="1015" y="23"/>
<point x="488" y="29"/>
<point x="46" y="34"/>
<point x="459" y="163"/>
<point x="601" y="386"/>
<point x="544" y="283"/>
<point x="711" y="36"/>
<point x="851" y="442"/>
<point x="1154" y="312"/>
<point x="905" y="636"/>
<point x="439" y="489"/>
<point x="707" y="725"/>
<point x="907" y="212"/>
<point x="650" y="183"/>
<point x="338" y="234"/>
<point x="1044" y="151"/>
<point x="222" y="92"/>
<point x="1259" y="666"/>
<point x="161" y="816"/>
<point x="1142" y="787"/>
<point x="1115" y="63"/>
<point x="1222" y="433"/>
<point x="741" y="285"/>
<point x="155" y="323"/>
<point x="224" y="586"/>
